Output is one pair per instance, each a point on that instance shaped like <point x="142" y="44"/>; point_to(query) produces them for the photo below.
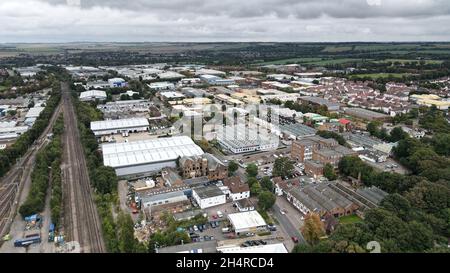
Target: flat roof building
<point x="297" y="130"/>
<point x="148" y="156"/>
<point x="248" y="221"/>
<point x="158" y="86"/>
<point x="209" y="196"/>
<point x="269" y="248"/>
<point x="130" y="125"/>
<point x="34" y="112"/>
<point x="241" y="139"/>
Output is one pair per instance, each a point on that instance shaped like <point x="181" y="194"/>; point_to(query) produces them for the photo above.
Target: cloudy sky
<point x="224" y="20"/>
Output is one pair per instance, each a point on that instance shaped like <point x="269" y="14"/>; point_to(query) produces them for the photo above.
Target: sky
<point x="223" y="21"/>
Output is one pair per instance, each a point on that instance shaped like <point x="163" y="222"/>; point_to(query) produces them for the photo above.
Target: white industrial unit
<point x="249" y="221"/>
<point x="209" y="196"/>
<point x="147" y="156"/>
<point x="93" y="95"/>
<point x="108" y="127"/>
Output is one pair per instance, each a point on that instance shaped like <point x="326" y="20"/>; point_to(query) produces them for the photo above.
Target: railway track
<point x="81" y="220"/>
<point x="12" y="183"/>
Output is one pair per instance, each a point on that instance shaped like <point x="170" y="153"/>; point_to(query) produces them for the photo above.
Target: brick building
<point x="204" y="165"/>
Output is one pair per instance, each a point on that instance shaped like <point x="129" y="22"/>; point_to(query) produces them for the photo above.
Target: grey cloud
<point x="304" y="9"/>
<point x="225" y="20"/>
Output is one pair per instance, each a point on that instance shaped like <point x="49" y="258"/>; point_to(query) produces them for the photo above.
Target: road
<point x="81" y="220"/>
<point x="290" y="229"/>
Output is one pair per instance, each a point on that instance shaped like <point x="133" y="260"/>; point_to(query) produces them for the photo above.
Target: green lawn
<point x="2" y="88"/>
<point x="349" y="219"/>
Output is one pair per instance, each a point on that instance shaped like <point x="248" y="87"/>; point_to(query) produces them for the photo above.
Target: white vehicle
<point x="195" y="228"/>
<point x="282" y="212"/>
<point x="219" y="214"/>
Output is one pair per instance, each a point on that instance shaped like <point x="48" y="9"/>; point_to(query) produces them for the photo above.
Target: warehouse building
<point x="269" y="248"/>
<point x="117" y="82"/>
<point x="249" y="221"/>
<point x="366" y="114"/>
<point x="215" y="80"/>
<point x="158" y="86"/>
<point x="130" y="125"/>
<point x="34" y="112"/>
<point x="162" y="199"/>
<point x="241" y="139"/>
<point x="125" y="106"/>
<point x="297" y="131"/>
<point x="209" y="196"/>
<point x="331" y="106"/>
<point x="148" y="156"/>
<point x="93" y="95"/>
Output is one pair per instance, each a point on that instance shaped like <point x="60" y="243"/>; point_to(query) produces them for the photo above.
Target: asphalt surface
<point x="287" y="225"/>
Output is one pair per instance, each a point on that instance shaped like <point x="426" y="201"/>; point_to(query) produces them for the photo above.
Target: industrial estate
<point x="169" y="157"/>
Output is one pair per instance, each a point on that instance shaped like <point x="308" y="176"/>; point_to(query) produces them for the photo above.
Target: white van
<point x="219" y="214"/>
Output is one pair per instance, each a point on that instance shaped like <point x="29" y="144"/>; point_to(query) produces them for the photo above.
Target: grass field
<point x="334" y="61"/>
<point x="381" y="75"/>
<point x="349" y="219"/>
<point x="2" y="88"/>
<point x="290" y="61"/>
<point x="335" y="49"/>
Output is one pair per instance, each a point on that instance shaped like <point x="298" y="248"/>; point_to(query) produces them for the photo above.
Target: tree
<point x="398" y="134"/>
<point x="312" y="229"/>
<point x="397" y="204"/>
<point x="328" y="172"/>
<point x="283" y="167"/>
<point x="255" y="189"/>
<point x="252" y="170"/>
<point x="267" y="184"/>
<point x="127" y="242"/>
<point x="266" y="200"/>
<point x="105" y="179"/>
<point x="232" y="168"/>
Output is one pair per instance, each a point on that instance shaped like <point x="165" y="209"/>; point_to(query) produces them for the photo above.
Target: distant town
<point x="185" y="153"/>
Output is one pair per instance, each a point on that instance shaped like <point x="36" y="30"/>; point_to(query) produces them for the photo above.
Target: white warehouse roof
<point x="148" y="151"/>
<point x="119" y="124"/>
<point x="93" y="94"/>
<point x="272" y="248"/>
<point x="34" y="112"/>
<point x="246" y="220"/>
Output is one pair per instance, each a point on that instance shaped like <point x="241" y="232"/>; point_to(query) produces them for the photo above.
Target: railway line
<point x="12" y="184"/>
<point x="81" y="220"/>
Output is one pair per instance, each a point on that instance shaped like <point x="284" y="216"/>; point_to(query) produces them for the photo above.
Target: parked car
<point x="195" y="228"/>
<point x="263" y="242"/>
<point x="294" y="239"/>
<point x="272" y="227"/>
<point x="249" y="234"/>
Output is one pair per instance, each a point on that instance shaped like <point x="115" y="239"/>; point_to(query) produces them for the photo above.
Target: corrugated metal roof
<point x="118" y="124"/>
<point x="148" y="151"/>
